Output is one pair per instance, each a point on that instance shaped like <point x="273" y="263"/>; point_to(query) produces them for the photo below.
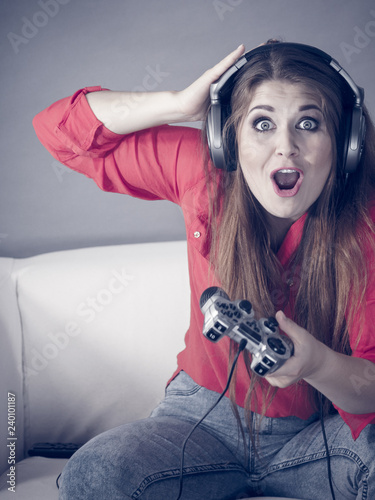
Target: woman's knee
<point x="95" y="472"/>
<point x="114" y="464"/>
<point x="85" y="477"/>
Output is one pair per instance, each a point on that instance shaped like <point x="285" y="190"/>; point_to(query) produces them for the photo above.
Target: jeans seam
<point x="342" y="452"/>
<point x="320" y="455"/>
<point x="183" y="392"/>
<point x="173" y="473"/>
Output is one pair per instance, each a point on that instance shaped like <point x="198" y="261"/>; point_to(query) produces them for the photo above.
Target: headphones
<point x="221" y="91"/>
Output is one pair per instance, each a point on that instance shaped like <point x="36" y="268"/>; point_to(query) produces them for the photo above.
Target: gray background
<point x="51" y="48"/>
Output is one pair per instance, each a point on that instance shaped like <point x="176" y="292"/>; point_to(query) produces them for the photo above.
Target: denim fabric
<point x="141" y="460"/>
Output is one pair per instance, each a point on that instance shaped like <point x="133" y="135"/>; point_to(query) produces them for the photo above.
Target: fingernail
<point x="282" y="314"/>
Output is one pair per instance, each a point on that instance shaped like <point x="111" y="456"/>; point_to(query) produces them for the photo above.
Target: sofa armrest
<point x="11" y="379"/>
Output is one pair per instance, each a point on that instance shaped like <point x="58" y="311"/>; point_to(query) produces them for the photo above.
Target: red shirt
<point x="167" y="163"/>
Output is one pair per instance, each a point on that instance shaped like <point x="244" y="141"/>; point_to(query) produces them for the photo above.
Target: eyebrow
<point x="262" y="106"/>
<point x="305" y="107"/>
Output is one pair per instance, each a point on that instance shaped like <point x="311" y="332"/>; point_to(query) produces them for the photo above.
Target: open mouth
<point x="287" y="181"/>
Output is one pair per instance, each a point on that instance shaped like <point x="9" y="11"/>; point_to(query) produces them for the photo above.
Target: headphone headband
<point x="221" y="90"/>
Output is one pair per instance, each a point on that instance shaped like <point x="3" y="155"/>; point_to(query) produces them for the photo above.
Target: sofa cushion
<point x="101" y="328"/>
<point x="35" y="479"/>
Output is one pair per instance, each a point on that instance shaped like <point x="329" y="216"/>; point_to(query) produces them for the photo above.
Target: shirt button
<point x="197" y="234"/>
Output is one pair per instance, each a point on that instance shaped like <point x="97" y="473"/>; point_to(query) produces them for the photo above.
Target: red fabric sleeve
<point x="157" y="163"/>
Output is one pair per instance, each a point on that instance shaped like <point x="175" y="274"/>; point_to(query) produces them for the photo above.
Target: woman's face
<point x="285" y="150"/>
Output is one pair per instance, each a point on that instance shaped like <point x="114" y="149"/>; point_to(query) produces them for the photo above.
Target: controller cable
<point x="241" y="348"/>
<point x="326" y="446"/>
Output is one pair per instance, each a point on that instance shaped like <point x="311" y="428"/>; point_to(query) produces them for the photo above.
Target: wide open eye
<point x="308" y="124"/>
<point x="263" y="125"/>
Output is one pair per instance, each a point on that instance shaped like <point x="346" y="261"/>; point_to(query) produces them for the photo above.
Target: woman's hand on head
<point x="194" y="100"/>
<point x="125" y="112"/>
<point x="308" y="354"/>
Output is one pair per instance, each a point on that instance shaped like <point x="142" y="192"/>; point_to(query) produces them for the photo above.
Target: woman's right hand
<point x="126" y="112"/>
<point x="194" y="100"/>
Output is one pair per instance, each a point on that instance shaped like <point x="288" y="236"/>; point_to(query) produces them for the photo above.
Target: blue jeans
<point x="141" y="460"/>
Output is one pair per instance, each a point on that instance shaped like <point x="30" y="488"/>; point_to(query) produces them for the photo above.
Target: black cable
<point x="241" y="348"/>
<point x="326" y="447"/>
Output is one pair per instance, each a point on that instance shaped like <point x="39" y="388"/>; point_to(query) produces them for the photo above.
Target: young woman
<point x="284" y="226"/>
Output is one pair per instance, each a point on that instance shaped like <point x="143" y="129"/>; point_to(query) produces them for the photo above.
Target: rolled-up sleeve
<point x="156" y="163"/>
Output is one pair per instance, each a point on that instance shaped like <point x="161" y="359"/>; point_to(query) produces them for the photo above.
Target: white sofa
<point x="89" y="338"/>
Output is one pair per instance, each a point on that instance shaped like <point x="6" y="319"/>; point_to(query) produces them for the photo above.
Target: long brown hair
<point x="329" y="268"/>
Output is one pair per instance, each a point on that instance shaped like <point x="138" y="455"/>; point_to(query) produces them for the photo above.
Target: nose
<point x="286" y="143"/>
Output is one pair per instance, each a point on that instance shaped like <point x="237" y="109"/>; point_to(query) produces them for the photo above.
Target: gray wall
<point x="50" y="48"/>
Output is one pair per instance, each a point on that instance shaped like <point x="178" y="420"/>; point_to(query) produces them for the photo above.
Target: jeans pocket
<point x="182" y="385"/>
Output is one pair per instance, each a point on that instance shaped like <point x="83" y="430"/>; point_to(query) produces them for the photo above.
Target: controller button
<point x="246" y="306"/>
<point x="271" y="324"/>
<point x="213" y="335"/>
<point x="250" y="334"/>
<point x="260" y="369"/>
<point x="253" y="325"/>
<point x="273" y="321"/>
<point x="277" y="345"/>
<point x="268" y="361"/>
<point x="220" y="327"/>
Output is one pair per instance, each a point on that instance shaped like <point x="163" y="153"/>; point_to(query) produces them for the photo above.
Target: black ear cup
<point x="215" y="124"/>
<point x="222" y="150"/>
<point x="354" y="140"/>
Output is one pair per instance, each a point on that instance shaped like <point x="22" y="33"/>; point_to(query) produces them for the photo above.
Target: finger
<point x="233" y="56"/>
<point x="226" y="63"/>
<point x="285" y="323"/>
<point x="288" y="326"/>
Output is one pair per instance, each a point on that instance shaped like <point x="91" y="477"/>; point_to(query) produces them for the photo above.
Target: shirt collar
<point x="291" y="240"/>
